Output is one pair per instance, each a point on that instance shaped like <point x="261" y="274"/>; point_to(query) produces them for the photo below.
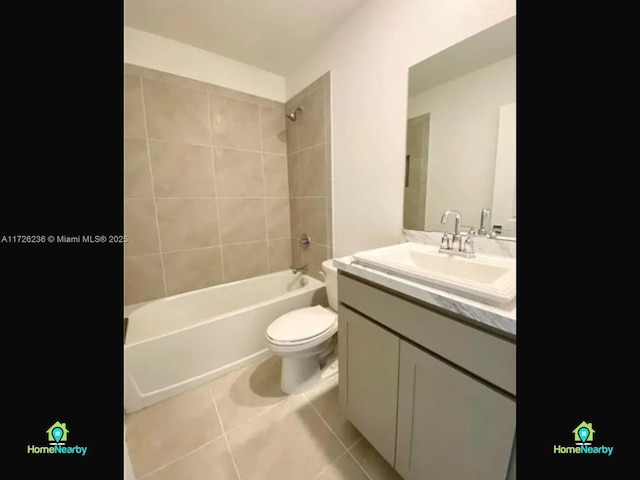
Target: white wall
<point x="159" y="53"/>
<point x="463" y="140"/>
<point x="369" y="56"/>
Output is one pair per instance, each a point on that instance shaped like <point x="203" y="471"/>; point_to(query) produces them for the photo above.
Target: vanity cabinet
<point x="433" y="394"/>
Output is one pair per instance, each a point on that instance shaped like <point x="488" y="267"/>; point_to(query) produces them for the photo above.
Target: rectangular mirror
<point x="461" y="134"/>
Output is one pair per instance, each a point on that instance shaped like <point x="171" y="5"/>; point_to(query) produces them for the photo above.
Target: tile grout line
<point x="208" y="246"/>
<point x="354" y="458"/>
<point x="181" y="457"/>
<point x="264" y="189"/>
<point x="215" y="183"/>
<point x="268" y="409"/>
<point x="347" y="450"/>
<point x="214" y="146"/>
<point x="331" y="464"/>
<point x="153" y="187"/>
<point x="224" y="434"/>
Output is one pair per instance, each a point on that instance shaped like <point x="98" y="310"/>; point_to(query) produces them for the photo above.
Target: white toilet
<point x="305" y="337"/>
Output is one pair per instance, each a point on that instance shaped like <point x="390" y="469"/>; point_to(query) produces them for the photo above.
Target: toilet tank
<point x="331" y="283"/>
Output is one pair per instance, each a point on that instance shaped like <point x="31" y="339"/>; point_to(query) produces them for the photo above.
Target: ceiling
<point x="269" y="34"/>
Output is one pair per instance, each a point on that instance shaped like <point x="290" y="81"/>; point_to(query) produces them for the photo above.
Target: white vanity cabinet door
<point x="450" y="425"/>
<point x="368" y="356"/>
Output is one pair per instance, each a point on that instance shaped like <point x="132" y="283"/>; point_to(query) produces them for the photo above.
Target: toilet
<point x="305" y="338"/>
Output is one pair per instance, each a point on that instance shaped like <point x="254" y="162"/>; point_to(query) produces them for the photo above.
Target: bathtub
<point x="177" y="343"/>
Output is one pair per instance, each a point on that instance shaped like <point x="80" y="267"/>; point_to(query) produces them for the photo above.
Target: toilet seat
<point x="303" y="326"/>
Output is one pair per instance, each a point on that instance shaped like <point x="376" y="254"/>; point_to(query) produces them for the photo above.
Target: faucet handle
<point x="468" y="245"/>
<point x="444" y="243"/>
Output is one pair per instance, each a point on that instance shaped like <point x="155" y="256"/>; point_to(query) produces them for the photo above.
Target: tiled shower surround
<point x="206" y="187"/>
<point x="310" y="173"/>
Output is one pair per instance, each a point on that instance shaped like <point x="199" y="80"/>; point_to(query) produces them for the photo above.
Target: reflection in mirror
<point x="461" y="134"/>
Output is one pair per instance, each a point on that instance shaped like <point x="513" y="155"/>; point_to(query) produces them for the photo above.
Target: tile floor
<point x="243" y="427"/>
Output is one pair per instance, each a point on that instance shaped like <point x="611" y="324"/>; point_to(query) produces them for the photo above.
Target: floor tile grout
<point x="306" y="398"/>
<point x="330" y="464"/>
<point x="347" y="450"/>
<point x="224" y="434"/>
<point x="181" y="457"/>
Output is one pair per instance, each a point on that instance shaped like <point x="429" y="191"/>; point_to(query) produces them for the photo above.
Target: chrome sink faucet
<point x="485" y="221"/>
<point x="456" y="228"/>
<point x="456" y="246"/>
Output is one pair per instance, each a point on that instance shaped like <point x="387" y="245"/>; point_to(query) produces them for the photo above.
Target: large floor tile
<point x="324" y="398"/>
<point x="372" y="462"/>
<point x="244" y="393"/>
<point x="343" y="469"/>
<point x="288" y="442"/>
<point x="211" y="462"/>
<point x="161" y="433"/>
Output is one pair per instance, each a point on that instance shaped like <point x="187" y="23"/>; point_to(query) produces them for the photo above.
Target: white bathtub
<point x="177" y="343"/>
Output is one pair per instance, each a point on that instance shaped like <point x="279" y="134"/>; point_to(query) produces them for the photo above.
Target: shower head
<point x="293" y="115"/>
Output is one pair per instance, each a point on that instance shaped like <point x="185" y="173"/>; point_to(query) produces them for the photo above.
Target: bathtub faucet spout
<point x="302" y="269"/>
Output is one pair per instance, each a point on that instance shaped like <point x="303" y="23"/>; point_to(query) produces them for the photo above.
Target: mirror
<point x="461" y="134"/>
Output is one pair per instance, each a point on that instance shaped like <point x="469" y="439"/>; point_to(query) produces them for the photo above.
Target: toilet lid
<point x="302" y="324"/>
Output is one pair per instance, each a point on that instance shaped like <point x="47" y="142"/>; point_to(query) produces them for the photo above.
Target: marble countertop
<point x="498" y="318"/>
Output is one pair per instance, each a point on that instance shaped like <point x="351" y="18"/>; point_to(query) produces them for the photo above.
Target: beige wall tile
<point x="133" y="111"/>
<point x="211" y="462"/>
<point x="187" y="223"/>
<point x="314" y="218"/>
<point x="280" y="254"/>
<point x="278" y="217"/>
<point x="312" y="256"/>
<point x="314" y="86"/>
<point x="235" y="123"/>
<point x="245" y="260"/>
<point x="242" y="220"/>
<point x="291" y="130"/>
<point x="273" y="130"/>
<point x="293" y="169"/>
<point x="238" y="173"/>
<point x="327" y="160"/>
<point x="137" y="175"/>
<point x="142" y="72"/>
<point x="313" y="172"/>
<point x="143" y="279"/>
<point x="327" y="106"/>
<point x="276" y="179"/>
<point x="163" y="432"/>
<point x="311" y="120"/>
<point x="192" y="269"/>
<point x="329" y="229"/>
<point x="175" y="113"/>
<point x="296" y="252"/>
<point x="181" y="170"/>
<point x="140" y="227"/>
<point x="295" y="207"/>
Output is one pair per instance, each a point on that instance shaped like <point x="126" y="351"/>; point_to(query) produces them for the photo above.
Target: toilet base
<point x="299" y="374"/>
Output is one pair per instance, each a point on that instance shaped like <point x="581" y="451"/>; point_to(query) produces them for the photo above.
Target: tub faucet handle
<point x="302" y="269"/>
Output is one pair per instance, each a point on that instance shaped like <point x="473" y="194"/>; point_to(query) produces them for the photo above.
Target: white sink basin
<point x="486" y="277"/>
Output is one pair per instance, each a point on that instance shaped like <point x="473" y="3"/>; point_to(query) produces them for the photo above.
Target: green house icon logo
<point x="57" y="433"/>
<point x="583" y="433"/>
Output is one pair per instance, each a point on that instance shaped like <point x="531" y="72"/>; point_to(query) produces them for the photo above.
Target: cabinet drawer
<point x="486" y="355"/>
